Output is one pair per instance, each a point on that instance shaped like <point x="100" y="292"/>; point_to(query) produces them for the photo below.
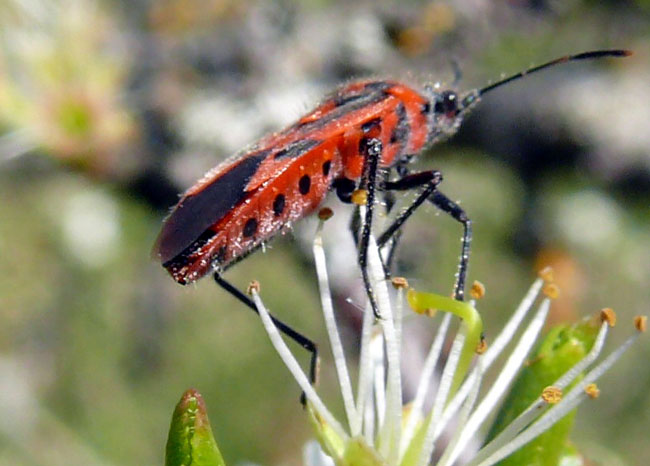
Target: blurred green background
<point x="109" y="109"/>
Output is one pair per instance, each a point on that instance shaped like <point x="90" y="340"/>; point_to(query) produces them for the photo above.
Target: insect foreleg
<point x="282" y="327"/>
<point x="371" y="150"/>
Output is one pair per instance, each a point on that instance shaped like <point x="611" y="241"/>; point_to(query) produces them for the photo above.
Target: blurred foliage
<point x="108" y="109"/>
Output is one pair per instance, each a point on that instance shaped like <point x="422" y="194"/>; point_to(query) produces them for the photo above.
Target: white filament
<point x="290" y="361"/>
<point x="354" y="417"/>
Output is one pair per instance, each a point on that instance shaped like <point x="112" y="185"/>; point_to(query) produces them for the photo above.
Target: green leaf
<point x="562" y="347"/>
<point x="190" y="441"/>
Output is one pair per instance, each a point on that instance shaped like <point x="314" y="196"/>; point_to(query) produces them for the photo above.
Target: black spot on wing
<point x="297" y="148"/>
<point x="371" y="124"/>
<point x="326" y="167"/>
<point x="402" y="129"/>
<point x="304" y="185"/>
<point x="250" y="227"/>
<point x="278" y="204"/>
<point x="195" y="213"/>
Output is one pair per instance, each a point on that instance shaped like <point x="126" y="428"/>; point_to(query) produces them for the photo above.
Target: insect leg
<point x="388" y="264"/>
<point x="355" y="220"/>
<point x="443" y="203"/>
<point x="355" y="226"/>
<point x="448" y="206"/>
<point x="389" y="202"/>
<point x="371" y="149"/>
<point x="282" y="327"/>
<point x="429" y="179"/>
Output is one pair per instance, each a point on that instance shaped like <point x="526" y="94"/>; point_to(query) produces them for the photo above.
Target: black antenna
<point x="565" y="59"/>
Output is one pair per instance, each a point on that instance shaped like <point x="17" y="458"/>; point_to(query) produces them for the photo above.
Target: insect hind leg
<point x="296" y="336"/>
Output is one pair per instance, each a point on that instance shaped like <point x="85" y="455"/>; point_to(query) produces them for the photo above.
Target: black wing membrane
<point x="195" y="213"/>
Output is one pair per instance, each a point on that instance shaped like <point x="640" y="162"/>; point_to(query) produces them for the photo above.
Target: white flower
<point x="379" y="430"/>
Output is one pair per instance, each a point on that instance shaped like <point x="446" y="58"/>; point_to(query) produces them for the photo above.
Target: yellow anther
<point x="608" y="315"/>
<point x="325" y="213"/>
<point x="360" y="197"/>
<point x="399" y="283"/>
<point x="546" y="274"/>
<point x="552" y="395"/>
<point x="641" y="323"/>
<point x="482" y="346"/>
<point x="429" y="312"/>
<point x="253" y="286"/>
<point x="551" y="290"/>
<point x="478" y="290"/>
<point x="592" y="390"/>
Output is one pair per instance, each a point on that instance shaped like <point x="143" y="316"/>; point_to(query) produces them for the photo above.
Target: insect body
<point x="364" y="128"/>
<point x="249" y="198"/>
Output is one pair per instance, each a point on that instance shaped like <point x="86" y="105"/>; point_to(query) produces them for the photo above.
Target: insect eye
<point x="447" y="103"/>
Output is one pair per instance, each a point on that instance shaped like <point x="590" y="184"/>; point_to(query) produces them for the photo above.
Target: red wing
<point x="281" y="159"/>
<point x="227" y="185"/>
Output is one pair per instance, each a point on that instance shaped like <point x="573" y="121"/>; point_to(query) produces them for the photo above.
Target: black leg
<point x="389" y="202"/>
<point x="355" y="226"/>
<point x="448" y="206"/>
<point x="393" y="232"/>
<point x="388" y="196"/>
<point x="282" y="327"/>
<point x="429" y="179"/>
<point x="371" y="149"/>
<point x="388" y="264"/>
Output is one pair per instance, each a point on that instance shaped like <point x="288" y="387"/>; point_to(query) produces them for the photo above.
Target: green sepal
<point x="412" y="454"/>
<point x="190" y="441"/>
<point x="562" y="348"/>
<point x="358" y="453"/>
<point x="344" y="452"/>
<point x="331" y="443"/>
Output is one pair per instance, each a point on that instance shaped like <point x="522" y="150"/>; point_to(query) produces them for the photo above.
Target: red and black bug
<point x="362" y="130"/>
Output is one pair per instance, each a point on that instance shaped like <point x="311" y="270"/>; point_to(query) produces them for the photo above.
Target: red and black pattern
<point x="361" y="129"/>
<point x="247" y="200"/>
